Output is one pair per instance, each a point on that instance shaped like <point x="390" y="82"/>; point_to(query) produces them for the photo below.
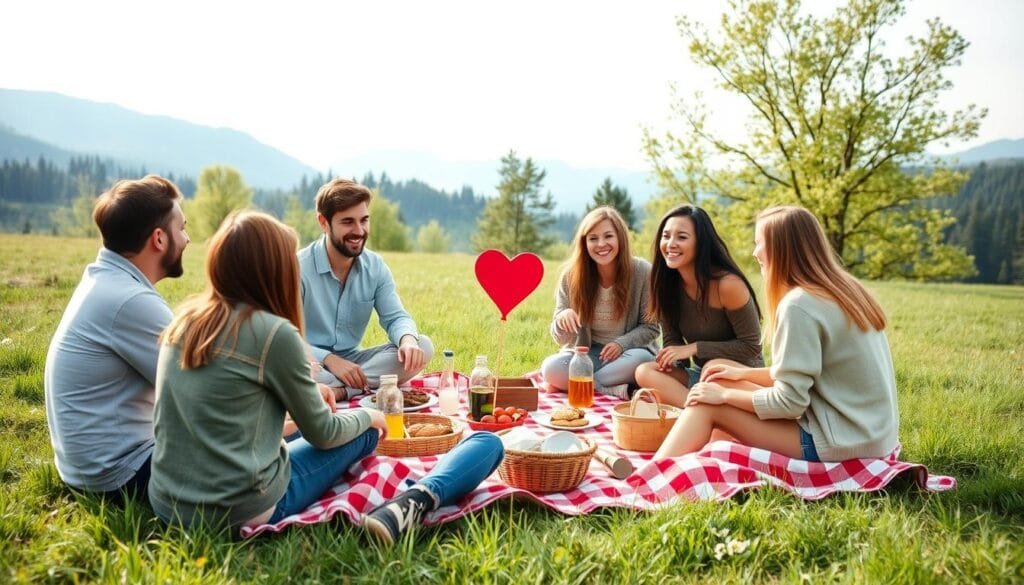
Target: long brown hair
<point x="797" y="254"/>
<point x="581" y="271"/>
<point x="251" y="260"/>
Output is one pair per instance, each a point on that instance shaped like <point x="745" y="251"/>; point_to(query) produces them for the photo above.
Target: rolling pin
<point x="620" y="467"/>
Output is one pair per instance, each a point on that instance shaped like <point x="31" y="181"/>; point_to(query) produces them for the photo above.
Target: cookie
<point x="577" y="422"/>
<point x="566" y="414"/>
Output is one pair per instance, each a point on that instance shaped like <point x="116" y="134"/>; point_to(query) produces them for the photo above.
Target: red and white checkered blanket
<point x="717" y="472"/>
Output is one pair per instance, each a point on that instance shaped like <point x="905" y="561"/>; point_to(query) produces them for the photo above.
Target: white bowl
<point x="561" y="442"/>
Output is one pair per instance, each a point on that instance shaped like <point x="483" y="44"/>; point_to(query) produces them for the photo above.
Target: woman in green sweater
<point x="232" y="364"/>
<point x="830" y="394"/>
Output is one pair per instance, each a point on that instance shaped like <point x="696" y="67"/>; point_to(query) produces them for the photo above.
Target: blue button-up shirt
<point x="336" y="314"/>
<point x="100" y="375"/>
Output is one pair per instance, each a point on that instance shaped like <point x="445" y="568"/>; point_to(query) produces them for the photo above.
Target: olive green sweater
<point x="219" y="451"/>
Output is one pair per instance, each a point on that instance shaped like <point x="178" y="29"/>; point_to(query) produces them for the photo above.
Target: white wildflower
<point x="737" y="546"/>
<point x="720" y="551"/>
<point x="7" y="341"/>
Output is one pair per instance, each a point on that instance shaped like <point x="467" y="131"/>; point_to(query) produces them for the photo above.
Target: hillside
<point x="158" y="143"/>
<point x="18" y="147"/>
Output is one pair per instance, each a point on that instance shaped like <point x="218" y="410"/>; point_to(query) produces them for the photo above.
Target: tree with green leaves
<point x="432" y="238"/>
<point x="516" y="220"/>
<point x="387" y="231"/>
<point x="77" y="220"/>
<point x="302" y="220"/>
<point x="837" y="124"/>
<point x="617" y="197"/>
<point x="219" y="191"/>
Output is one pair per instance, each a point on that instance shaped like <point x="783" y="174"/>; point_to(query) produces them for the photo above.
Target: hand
<point x="705" y="393"/>
<point x="668" y="356"/>
<point x="610" y="352"/>
<point x="568" y="321"/>
<point x="348" y="372"/>
<point x="327" y="393"/>
<point x="720" y="372"/>
<point x="410" y="355"/>
<point x="377" y="422"/>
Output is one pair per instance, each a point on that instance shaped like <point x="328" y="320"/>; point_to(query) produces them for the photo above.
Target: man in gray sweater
<point x="101" y="364"/>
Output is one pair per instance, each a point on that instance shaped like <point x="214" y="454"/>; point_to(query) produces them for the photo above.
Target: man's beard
<point x="344" y="250"/>
<point x="171" y="261"/>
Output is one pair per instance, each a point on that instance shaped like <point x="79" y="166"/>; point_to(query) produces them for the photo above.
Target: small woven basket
<point x="546" y="472"/>
<point x="637" y="433"/>
<point x="418" y="446"/>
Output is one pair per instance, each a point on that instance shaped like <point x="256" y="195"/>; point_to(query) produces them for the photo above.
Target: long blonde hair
<point x="797" y="254"/>
<point x="251" y="260"/>
<point x="581" y="271"/>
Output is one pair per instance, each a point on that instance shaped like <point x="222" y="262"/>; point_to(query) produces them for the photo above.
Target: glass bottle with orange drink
<point x="391" y="402"/>
<point x="581" y="378"/>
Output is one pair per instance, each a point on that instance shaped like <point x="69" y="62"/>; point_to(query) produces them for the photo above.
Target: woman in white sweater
<point x="830" y="394"/>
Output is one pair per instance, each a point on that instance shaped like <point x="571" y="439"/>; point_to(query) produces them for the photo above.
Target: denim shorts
<point x="692" y="373"/>
<point x="807" y="445"/>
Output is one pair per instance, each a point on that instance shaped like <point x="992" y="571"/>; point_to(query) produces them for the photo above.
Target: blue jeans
<point x="314" y="471"/>
<point x="459" y="471"/>
<point x="810" y="452"/>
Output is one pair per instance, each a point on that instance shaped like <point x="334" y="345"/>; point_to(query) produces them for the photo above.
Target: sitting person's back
<point x="101" y="363"/>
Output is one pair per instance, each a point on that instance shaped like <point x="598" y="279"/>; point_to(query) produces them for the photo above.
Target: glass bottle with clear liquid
<point x="391" y="402"/>
<point x="581" y="379"/>
<point x="447" y="391"/>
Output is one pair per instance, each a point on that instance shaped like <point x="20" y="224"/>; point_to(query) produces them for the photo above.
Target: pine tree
<point x="617" y="197"/>
<point x="516" y="220"/>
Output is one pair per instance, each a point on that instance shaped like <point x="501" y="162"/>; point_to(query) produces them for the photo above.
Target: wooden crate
<point x="518" y="392"/>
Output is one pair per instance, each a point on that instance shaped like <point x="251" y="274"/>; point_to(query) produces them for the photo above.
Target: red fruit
<point x="521" y="411"/>
<point x="504" y="419"/>
<point x="499" y="411"/>
<point x="487" y="418"/>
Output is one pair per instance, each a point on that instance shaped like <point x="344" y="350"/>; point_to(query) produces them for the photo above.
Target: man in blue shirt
<point x="342" y="283"/>
<point x="101" y="364"/>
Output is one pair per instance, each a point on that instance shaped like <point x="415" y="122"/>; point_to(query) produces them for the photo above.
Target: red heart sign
<point x="508" y="282"/>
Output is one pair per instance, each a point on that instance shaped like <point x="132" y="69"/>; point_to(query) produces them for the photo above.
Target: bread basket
<point x="419" y="446"/>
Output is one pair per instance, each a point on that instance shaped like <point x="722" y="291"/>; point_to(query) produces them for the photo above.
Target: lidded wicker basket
<point x="638" y="433"/>
<point x="546" y="472"/>
<point x="418" y="446"/>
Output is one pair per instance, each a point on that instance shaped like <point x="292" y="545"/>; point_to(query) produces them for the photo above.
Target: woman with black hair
<point x="704" y="303"/>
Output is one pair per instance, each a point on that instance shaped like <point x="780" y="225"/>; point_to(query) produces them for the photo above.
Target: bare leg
<point x="695" y="424"/>
<point x="671" y="386"/>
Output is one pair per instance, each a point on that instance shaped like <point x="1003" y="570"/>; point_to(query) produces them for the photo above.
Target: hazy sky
<point x="324" y="81"/>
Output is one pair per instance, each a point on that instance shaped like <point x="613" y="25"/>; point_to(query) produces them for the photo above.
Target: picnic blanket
<point x="717" y="472"/>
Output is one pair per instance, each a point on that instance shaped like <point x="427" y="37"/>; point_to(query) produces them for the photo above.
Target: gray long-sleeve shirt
<point x="836" y="380"/>
<point x="637" y="330"/>
<point x="100" y="373"/>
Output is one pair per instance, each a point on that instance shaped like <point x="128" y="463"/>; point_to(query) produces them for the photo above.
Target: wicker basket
<point x="637" y="433"/>
<point x="418" y="446"/>
<point x="545" y="472"/>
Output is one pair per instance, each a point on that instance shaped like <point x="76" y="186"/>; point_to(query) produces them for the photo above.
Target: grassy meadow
<point x="959" y="354"/>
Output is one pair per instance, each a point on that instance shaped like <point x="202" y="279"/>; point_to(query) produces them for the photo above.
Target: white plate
<point x="544" y="420"/>
<point x="366" y="402"/>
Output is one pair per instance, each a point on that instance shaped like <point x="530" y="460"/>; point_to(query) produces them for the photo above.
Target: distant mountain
<point x="990" y="151"/>
<point x="159" y="143"/>
<point x="19" y="147"/>
<point x="571" y="187"/>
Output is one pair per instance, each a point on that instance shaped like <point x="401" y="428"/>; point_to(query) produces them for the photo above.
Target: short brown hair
<point x="339" y="195"/>
<point x="129" y="211"/>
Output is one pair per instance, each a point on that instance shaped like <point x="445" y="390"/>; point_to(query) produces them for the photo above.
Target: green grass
<point x="959" y="354"/>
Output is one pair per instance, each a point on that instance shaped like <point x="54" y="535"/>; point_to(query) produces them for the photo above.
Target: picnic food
<point x="427" y="430"/>
<point x="410" y="398"/>
<point x="569" y="417"/>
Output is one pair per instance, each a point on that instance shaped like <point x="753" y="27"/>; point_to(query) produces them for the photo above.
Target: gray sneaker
<point x="387" y="522"/>
<point x="620" y="391"/>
